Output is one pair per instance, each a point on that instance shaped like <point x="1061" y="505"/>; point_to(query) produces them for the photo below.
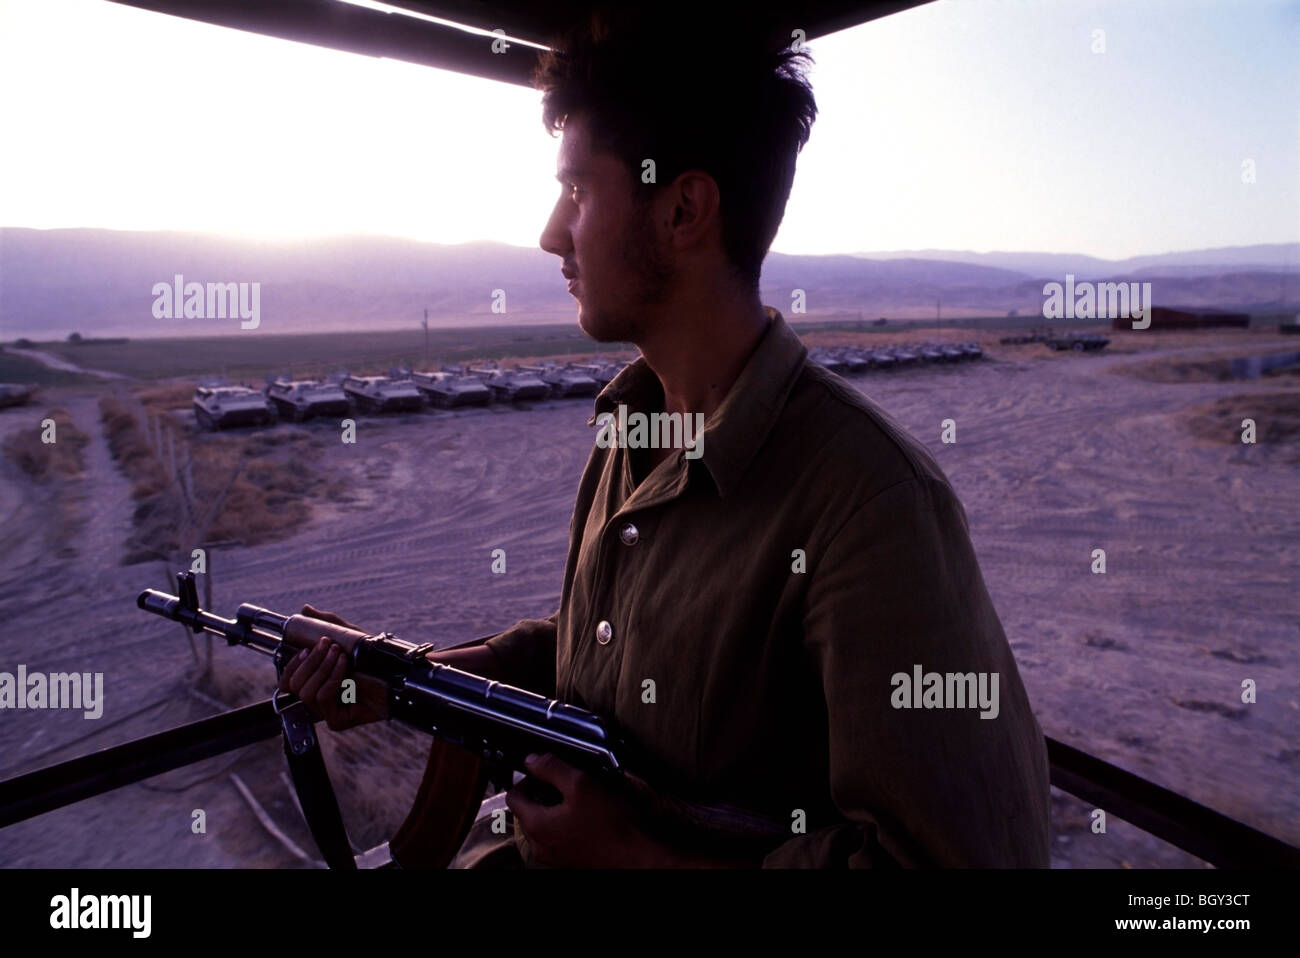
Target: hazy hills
<point x="1267" y="256"/>
<point x="99" y="282"/>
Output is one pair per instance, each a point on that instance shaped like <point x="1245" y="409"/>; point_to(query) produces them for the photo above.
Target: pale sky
<point x="965" y="124"/>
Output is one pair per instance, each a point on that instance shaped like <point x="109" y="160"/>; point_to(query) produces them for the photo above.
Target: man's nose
<point x="555" y="236"/>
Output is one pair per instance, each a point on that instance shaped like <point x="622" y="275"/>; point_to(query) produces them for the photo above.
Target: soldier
<point x="742" y="614"/>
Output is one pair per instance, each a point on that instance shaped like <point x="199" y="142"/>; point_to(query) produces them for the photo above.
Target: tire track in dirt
<point x="1203" y="549"/>
<point x="1053" y="458"/>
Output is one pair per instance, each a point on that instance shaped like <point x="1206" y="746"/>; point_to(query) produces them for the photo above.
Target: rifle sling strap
<point x="312" y="783"/>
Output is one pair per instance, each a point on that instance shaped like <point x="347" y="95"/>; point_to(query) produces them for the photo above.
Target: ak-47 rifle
<point x="482" y="732"/>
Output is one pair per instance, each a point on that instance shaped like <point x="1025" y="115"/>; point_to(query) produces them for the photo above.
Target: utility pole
<point x="425" y="324"/>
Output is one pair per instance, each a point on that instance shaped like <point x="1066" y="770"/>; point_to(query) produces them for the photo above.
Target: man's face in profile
<point x="606" y="240"/>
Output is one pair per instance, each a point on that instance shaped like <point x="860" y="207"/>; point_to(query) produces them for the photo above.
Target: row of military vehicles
<point x="1074" y="341"/>
<point x="854" y="359"/>
<point x="220" y="406"/>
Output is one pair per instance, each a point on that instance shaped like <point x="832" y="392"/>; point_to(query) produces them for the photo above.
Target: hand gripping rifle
<point x="482" y="731"/>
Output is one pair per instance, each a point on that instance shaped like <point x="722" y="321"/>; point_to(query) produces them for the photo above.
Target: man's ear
<point x="696" y="201"/>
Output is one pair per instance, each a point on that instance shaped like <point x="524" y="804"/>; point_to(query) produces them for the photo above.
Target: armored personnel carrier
<point x="827" y="360"/>
<point x="511" y="385"/>
<point x="301" y="399"/>
<point x="1077" y="341"/>
<point x="565" y="381"/>
<point x="447" y="389"/>
<point x="1020" y="339"/>
<point x="221" y="407"/>
<point x="883" y="359"/>
<point x="602" y="372"/>
<point x="905" y="355"/>
<point x="853" y="360"/>
<point x="383" y="394"/>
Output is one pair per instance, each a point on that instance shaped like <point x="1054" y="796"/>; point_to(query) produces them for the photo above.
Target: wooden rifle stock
<point x="446" y="804"/>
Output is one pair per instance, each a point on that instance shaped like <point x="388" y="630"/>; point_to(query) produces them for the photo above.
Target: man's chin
<point x="600" y="328"/>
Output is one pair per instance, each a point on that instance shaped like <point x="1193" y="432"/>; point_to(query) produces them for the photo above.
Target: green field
<point x="20" y="369"/>
<point x="986" y="324"/>
<point x="251" y="356"/>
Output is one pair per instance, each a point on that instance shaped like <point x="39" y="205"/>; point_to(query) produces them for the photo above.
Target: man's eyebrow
<point x="568" y="174"/>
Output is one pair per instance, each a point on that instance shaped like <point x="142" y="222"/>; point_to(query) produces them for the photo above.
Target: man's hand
<point x="591" y="827"/>
<point x="314" y="613"/>
<point x="316" y="676"/>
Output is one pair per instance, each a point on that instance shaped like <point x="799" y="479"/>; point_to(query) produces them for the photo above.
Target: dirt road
<point x="61" y="364"/>
<point x="1056" y="455"/>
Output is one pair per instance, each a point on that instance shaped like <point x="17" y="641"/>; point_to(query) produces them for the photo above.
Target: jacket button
<point x="629" y="534"/>
<point x="604" y="632"/>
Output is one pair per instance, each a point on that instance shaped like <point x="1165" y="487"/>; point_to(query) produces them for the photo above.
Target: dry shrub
<point x="1276" y="415"/>
<point x="256" y="509"/>
<point x="237" y="677"/>
<point x="259" y="486"/>
<point x="1179" y="370"/>
<point x="272" y="493"/>
<point x="55" y="465"/>
<point x="161" y="399"/>
<point x="134" y="455"/>
<point x="61" y="459"/>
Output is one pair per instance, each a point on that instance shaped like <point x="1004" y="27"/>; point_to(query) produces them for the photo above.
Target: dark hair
<point x="691" y="92"/>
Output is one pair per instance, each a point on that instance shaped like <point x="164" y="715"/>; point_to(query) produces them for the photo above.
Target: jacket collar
<point x="737" y="428"/>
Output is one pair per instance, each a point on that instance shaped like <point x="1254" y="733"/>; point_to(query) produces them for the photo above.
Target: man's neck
<point x="700" y="349"/>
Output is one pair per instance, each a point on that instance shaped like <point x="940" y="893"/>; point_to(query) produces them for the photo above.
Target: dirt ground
<point x="1056" y="455"/>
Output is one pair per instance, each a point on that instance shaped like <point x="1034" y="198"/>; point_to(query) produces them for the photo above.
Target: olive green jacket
<point x="745" y="618"/>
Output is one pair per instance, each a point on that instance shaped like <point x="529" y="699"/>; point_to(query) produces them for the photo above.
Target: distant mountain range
<point x="100" y="282"/>
<point x="1268" y="256"/>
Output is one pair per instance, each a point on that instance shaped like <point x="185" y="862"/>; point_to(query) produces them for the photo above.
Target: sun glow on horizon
<point x="958" y="126"/>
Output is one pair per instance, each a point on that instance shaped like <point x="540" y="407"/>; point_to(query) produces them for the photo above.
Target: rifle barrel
<point x="502" y="722"/>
